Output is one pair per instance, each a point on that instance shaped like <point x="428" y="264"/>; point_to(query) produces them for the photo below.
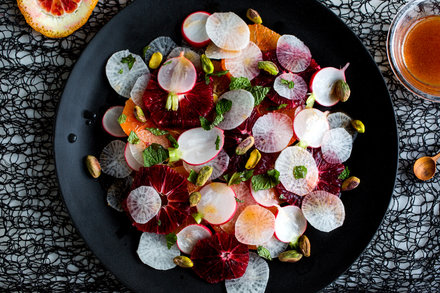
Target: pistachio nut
<point x="253" y="160"/>
<point x="304" y="245"/>
<point x="341" y="90"/>
<point x="290" y="256"/>
<point x="139" y="114"/>
<point x="269" y="67"/>
<point x="93" y="166"/>
<point x="207" y="65"/>
<point x="253" y="16"/>
<point x="204" y="175"/>
<point x="245" y="145"/>
<point x="358" y="125"/>
<point x="183" y="261"/>
<point x="350" y="183"/>
<point x="155" y="60"/>
<point x="194" y="198"/>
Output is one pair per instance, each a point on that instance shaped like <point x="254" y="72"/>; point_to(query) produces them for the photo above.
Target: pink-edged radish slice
<point x="336" y="146"/>
<point x="272" y="132"/>
<point x="214" y="52"/>
<point x="110" y="121"/>
<point x="254" y="279"/>
<point x="153" y="251"/>
<point x="290" y="86"/>
<point x="162" y="44"/>
<point x="227" y="31"/>
<point x="274" y="246"/>
<point x="323" y="210"/>
<point x="255" y="225"/>
<point x="143" y="203"/>
<point x="341" y="120"/>
<point x="218" y="204"/>
<point x="266" y="197"/>
<point x="138" y="89"/>
<point x="194" y="29"/>
<point x="310" y="125"/>
<point x="290" y="223"/>
<point x="242" y="106"/>
<point x="198" y="146"/>
<point x="219" y="165"/>
<point x="188" y="237"/>
<point x="245" y="64"/>
<point x="112" y="160"/>
<point x="322" y="83"/>
<point x="290" y="158"/>
<point x="292" y="54"/>
<point x="177" y="75"/>
<point x="137" y="151"/>
<point x="132" y="162"/>
<point x="188" y="54"/>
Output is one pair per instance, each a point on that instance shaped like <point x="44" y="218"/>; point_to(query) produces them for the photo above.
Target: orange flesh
<point x="266" y="39"/>
<point x="58" y="7"/>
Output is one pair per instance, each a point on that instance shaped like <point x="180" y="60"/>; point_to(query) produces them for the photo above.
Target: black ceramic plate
<point x="374" y="157"/>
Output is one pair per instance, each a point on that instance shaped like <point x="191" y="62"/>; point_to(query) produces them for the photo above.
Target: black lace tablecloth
<point x="40" y="250"/>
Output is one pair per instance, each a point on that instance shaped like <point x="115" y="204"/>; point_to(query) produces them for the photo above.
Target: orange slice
<point x="266" y="39"/>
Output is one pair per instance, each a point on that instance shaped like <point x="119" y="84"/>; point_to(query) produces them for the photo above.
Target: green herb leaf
<point x="122" y="118"/>
<point x="344" y="174"/>
<point x="154" y="154"/>
<point x="299" y="172"/>
<point x="171" y="240"/>
<point x="198" y="217"/>
<point x="121" y="71"/>
<point x="294" y="243"/>
<point x="282" y="197"/>
<point x="145" y="50"/>
<point x="217" y="120"/>
<point x="310" y="101"/>
<point x="273" y="108"/>
<point x="289" y="83"/>
<point x="159" y="222"/>
<point x="239" y="83"/>
<point x="219" y="73"/>
<point x="239" y="177"/>
<point x="207" y="79"/>
<point x="205" y="123"/>
<point x="266" y="181"/>
<point x="156" y="131"/>
<point x="166" y="63"/>
<point x="223" y="106"/>
<point x="259" y="93"/>
<point x="217" y="143"/>
<point x="302" y="144"/>
<point x="192" y="176"/>
<point x="175" y="154"/>
<point x="129" y="60"/>
<point x="263" y="252"/>
<point x="239" y="200"/>
<point x="173" y="141"/>
<point x="133" y="138"/>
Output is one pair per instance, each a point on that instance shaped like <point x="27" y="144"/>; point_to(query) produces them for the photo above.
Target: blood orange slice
<point x="265" y="38"/>
<point x="255" y="225"/>
<point x="272" y="132"/>
<point x="188" y="237"/>
<point x="328" y="174"/>
<point x="293" y="54"/>
<point x="245" y="64"/>
<point x="227" y="31"/>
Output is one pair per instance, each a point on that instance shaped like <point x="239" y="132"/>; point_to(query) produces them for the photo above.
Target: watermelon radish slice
<point x="153" y="251"/>
<point x="110" y="121"/>
<point x="290" y="158"/>
<point x="245" y="64"/>
<point x="290" y="86"/>
<point x="242" y="106"/>
<point x="274" y="246"/>
<point x="289" y="223"/>
<point x="254" y="279"/>
<point x="188" y="54"/>
<point x="322" y="83"/>
<point x="255" y="225"/>
<point x="310" y="125"/>
<point x="162" y="44"/>
<point x="219" y="165"/>
<point x="214" y="52"/>
<point x="341" y="120"/>
<point x="218" y="204"/>
<point x="272" y="132"/>
<point x="139" y="88"/>
<point x="132" y="162"/>
<point x="117" y="192"/>
<point x="336" y="146"/>
<point x="198" y="146"/>
<point x="227" y="31"/>
<point x="194" y="29"/>
<point x="112" y="160"/>
<point x="266" y="197"/>
<point x="323" y="210"/>
<point x="188" y="237"/>
<point x="292" y="54"/>
<point x="143" y="203"/>
<point x="177" y="75"/>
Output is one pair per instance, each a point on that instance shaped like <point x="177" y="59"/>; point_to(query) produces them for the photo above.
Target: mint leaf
<point x="192" y="176"/>
<point x="129" y="60"/>
<point x="344" y="174"/>
<point x="266" y="181"/>
<point x="205" y="123"/>
<point x="171" y="240"/>
<point x="263" y="252"/>
<point x="220" y="73"/>
<point x="259" y="93"/>
<point x="217" y="143"/>
<point x="122" y="118"/>
<point x="217" y="120"/>
<point x="207" y="79"/>
<point x="166" y="63"/>
<point x="159" y="222"/>
<point x="239" y="83"/>
<point x="154" y="154"/>
<point x="299" y="172"/>
<point x="282" y="196"/>
<point x="289" y="83"/>
<point x="239" y="177"/>
<point x="273" y="108"/>
<point x="223" y="106"/>
<point x="173" y="141"/>
<point x="121" y="71"/>
<point x="156" y="131"/>
<point x="239" y="200"/>
<point x="133" y="138"/>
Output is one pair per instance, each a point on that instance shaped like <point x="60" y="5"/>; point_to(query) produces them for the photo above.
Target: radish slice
<point x="336" y="146"/>
<point x="323" y="210"/>
<point x="254" y="279"/>
<point x="219" y="165"/>
<point x="188" y="237"/>
<point x="272" y="132"/>
<point x="143" y="204"/>
<point x="112" y="160"/>
<point x="188" y="54"/>
<point x="255" y="225"/>
<point x="290" y="158"/>
<point x="293" y="54"/>
<point x="310" y="126"/>
<point x="214" y="52"/>
<point x="117" y="192"/>
<point x="198" y="146"/>
<point x="217" y="204"/>
<point x="138" y="89"/>
<point x="153" y="251"/>
<point x="137" y="151"/>
<point x="162" y="44"/>
<point x="245" y="64"/>
<point x="266" y="197"/>
<point x="194" y="29"/>
<point x="132" y="162"/>
<point x="274" y="246"/>
<point x="242" y="106"/>
<point x="322" y="83"/>
<point x="290" y="86"/>
<point x="289" y="223"/>
<point x="177" y="75"/>
<point x="341" y="120"/>
<point x="227" y="31"/>
<point x="110" y="121"/>
<point x="120" y="76"/>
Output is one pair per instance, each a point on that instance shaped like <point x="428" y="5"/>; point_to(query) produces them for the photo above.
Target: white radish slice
<point x="218" y="204"/>
<point x="188" y="54"/>
<point x="310" y="125"/>
<point x="190" y="235"/>
<point x="274" y="246"/>
<point x="255" y="225"/>
<point x="227" y="31"/>
<point x="110" y="121"/>
<point x="272" y="132"/>
<point x="143" y="203"/>
<point x="138" y="89"/>
<point x="117" y="192"/>
<point x="292" y="54"/>
<point x="242" y="106"/>
<point x="254" y="279"/>
<point x="336" y="146"/>
<point x="290" y="158"/>
<point x="120" y="77"/>
<point x="132" y="162"/>
<point x="194" y="29"/>
<point x="214" y="52"/>
<point x="341" y="120"/>
<point x="290" y="223"/>
<point x="322" y="84"/>
<point x="137" y="151"/>
<point x="323" y="210"/>
<point x="219" y="165"/>
<point x="112" y="160"/>
<point x="177" y="75"/>
<point x="297" y="91"/>
<point x="162" y="44"/>
<point x="246" y="64"/>
<point x="153" y="251"/>
<point x="266" y="197"/>
<point x="198" y="146"/>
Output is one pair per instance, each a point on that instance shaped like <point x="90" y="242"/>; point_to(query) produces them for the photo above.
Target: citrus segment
<point x="153" y="251"/>
<point x="293" y="54"/>
<point x="255" y="225"/>
<point x="218" y="203"/>
<point x="272" y="132"/>
<point x="241" y="109"/>
<point x="265" y="38"/>
<point x="245" y="64"/>
<point x="227" y="31"/>
<point x="112" y="160"/>
<point x="188" y="237"/>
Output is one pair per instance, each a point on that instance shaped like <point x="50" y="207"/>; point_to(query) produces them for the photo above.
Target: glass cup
<point x="403" y="22"/>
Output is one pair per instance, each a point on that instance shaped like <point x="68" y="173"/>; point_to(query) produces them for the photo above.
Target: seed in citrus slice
<point x="117" y="192"/>
<point x="214" y="52"/>
<point x="289" y="223"/>
<point x="242" y="106"/>
<point x="162" y="44"/>
<point x="198" y="146"/>
<point x="336" y="145"/>
<point x="272" y="132"/>
<point x="219" y="165"/>
<point x="310" y="125"/>
<point x="255" y="225"/>
<point x="266" y="39"/>
<point x="132" y="162"/>
<point x="143" y="203"/>
<point x="290" y="86"/>
<point x="189" y="54"/>
<point x="227" y="31"/>
<point x="246" y="64"/>
<point x="218" y="204"/>
<point x="194" y="29"/>
<point x="274" y="246"/>
<point x="188" y="237"/>
<point x="293" y="54"/>
<point x="265" y="197"/>
<point x="139" y="88"/>
<point x="321" y="84"/>
<point x="112" y="160"/>
<point x="110" y="121"/>
<point x="328" y="173"/>
<point x="177" y="75"/>
<point x="153" y="251"/>
<point x="254" y="279"/>
<point x="323" y="210"/>
<point x="341" y="120"/>
<point x="290" y="158"/>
